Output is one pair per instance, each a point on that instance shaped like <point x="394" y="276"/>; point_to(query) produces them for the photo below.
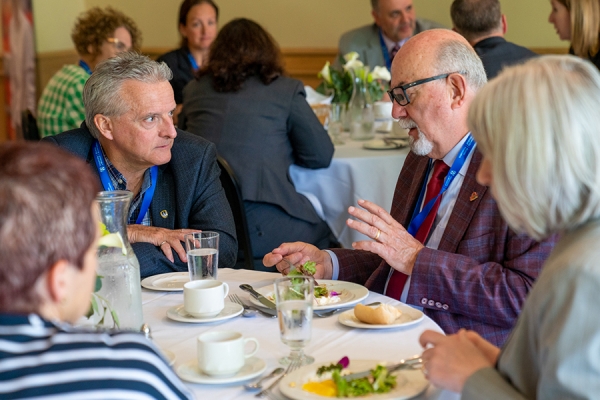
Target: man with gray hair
<point x="444" y="247"/>
<point x="482" y="23"/>
<point x="129" y="139"/>
<point x="395" y="21"/>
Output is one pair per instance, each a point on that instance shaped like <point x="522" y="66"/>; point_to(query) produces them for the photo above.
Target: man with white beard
<point x="444" y="246"/>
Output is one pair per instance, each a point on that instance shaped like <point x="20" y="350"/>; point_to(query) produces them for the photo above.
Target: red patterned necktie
<point x="440" y="170"/>
<point x="394" y="51"/>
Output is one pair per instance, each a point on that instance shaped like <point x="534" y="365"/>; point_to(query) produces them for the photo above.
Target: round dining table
<point x="330" y="339"/>
<point x="355" y="173"/>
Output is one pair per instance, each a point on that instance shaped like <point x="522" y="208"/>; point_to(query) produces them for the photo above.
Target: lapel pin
<point x="164" y="214"/>
<point x="474" y="196"/>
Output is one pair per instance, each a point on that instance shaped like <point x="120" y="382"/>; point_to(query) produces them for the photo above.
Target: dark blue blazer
<point x="188" y="188"/>
<point x="496" y="53"/>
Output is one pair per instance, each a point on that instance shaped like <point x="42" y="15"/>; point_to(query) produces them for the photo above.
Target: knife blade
<point x="263" y="300"/>
<point x="414" y="362"/>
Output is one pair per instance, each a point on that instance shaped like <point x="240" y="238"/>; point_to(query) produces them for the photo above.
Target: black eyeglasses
<point x="399" y="92"/>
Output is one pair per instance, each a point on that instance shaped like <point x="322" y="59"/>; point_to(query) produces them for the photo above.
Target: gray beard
<point x="422" y="146"/>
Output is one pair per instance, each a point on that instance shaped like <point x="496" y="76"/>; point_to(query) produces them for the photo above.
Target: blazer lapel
<point x="163" y="205"/>
<point x="408" y="187"/>
<point x="465" y="208"/>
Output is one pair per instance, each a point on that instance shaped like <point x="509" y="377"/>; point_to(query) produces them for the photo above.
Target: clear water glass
<point x="294" y="299"/>
<point x="203" y="254"/>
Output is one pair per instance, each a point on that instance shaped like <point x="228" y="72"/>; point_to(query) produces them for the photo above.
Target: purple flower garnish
<point x="332" y="293"/>
<point x="344" y="362"/>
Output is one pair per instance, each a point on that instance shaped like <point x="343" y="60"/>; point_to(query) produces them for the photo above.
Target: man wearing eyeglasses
<point x="444" y="247"/>
<point x="395" y="21"/>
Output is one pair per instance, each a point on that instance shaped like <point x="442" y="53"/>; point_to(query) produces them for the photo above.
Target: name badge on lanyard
<point x="108" y="185"/>
<point x="386" y="53"/>
<point x="458" y="163"/>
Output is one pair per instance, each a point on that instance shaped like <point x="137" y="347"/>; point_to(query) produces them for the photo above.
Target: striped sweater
<point x="41" y="359"/>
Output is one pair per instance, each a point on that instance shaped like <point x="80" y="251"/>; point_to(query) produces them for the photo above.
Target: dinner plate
<point x="169" y="282"/>
<point x="253" y="367"/>
<point x="351" y="293"/>
<point x="409" y="383"/>
<point x="410" y="316"/>
<point x="177" y="313"/>
<point x="380" y="144"/>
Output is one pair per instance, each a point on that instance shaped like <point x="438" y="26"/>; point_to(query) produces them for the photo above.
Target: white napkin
<point x="313" y="97"/>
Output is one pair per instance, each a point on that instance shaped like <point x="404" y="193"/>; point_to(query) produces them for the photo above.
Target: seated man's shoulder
<point x="359" y="35"/>
<point x="188" y="145"/>
<point x="78" y="140"/>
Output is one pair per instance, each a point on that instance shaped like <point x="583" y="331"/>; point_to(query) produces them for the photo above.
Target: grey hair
<point x="102" y="91"/>
<point x="538" y="125"/>
<point x="456" y="56"/>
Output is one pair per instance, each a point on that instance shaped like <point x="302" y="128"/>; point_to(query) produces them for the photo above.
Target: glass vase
<point x="335" y="126"/>
<point x="360" y="107"/>
<point x="118" y="302"/>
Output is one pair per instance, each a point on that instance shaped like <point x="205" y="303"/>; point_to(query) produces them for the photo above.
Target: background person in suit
<point x="482" y="23"/>
<point x="579" y="22"/>
<point x="130" y="141"/>
<point x="378" y="43"/>
<point x="461" y="264"/>
<point x="261" y="124"/>
<point x="197" y="23"/>
<point x="553" y="351"/>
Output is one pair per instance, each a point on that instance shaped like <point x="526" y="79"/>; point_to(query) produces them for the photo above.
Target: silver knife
<point x="410" y="363"/>
<point x="266" y="302"/>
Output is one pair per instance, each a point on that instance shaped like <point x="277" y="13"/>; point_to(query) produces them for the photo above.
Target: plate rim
<point x="355" y="300"/>
<point x="171" y="314"/>
<point x="223" y="380"/>
<point x="363" y="325"/>
<point x="147" y="282"/>
<point x="286" y="390"/>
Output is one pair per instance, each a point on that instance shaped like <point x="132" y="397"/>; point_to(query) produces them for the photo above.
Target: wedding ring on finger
<point x="424" y="369"/>
<point x="378" y="234"/>
<point x="163" y="242"/>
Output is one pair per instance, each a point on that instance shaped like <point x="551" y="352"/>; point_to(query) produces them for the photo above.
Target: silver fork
<point x="248" y="311"/>
<point x="294" y="365"/>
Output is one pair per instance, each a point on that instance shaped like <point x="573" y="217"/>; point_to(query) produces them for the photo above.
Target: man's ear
<point x="58" y="281"/>
<point x="458" y="89"/>
<point x="104" y="125"/>
<point x="504" y="25"/>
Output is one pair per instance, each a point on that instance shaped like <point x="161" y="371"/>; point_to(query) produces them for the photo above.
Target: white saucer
<point x="169" y="282"/>
<point x="380" y="144"/>
<point x="230" y="310"/>
<point x="410" y="316"/>
<point x="252" y="368"/>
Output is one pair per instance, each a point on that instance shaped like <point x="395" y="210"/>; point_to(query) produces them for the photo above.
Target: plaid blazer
<point x="478" y="278"/>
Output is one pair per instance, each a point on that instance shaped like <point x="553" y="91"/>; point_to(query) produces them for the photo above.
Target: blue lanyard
<point x="192" y="61"/>
<point x="417" y="220"/>
<point x="107" y="183"/>
<point x="386" y="53"/>
<point x="85" y="66"/>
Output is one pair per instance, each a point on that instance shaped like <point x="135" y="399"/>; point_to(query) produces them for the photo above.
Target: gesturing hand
<point x="298" y="253"/>
<point x="391" y="241"/>
<point x="167" y="239"/>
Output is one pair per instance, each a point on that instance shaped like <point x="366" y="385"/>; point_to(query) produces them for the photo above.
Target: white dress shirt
<point x="443" y="214"/>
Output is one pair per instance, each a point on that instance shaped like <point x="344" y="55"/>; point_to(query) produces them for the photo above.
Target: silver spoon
<point x="258" y="384"/>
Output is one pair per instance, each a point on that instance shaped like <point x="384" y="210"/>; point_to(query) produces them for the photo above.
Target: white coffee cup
<point x="205" y="298"/>
<point x="382" y="109"/>
<point x="223" y="352"/>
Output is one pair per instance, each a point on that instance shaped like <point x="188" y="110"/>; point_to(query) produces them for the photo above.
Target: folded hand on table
<point x="449" y="361"/>
<point x="298" y="253"/>
<point x="391" y="241"/>
<point x="167" y="239"/>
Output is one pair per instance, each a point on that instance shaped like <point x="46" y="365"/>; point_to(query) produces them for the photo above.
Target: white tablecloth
<point x="355" y="173"/>
<point x="330" y="340"/>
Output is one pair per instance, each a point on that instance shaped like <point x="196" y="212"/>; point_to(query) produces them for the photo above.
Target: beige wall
<point x="294" y="23"/>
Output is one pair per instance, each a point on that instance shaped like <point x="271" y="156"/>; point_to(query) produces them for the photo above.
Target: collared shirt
<point x="120" y="183"/>
<point x="443" y="214"/>
<point x="389" y="43"/>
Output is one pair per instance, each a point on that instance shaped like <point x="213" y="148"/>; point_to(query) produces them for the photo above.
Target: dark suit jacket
<point x="480" y="275"/>
<point x="365" y="41"/>
<point x="496" y="53"/>
<point x="188" y="187"/>
<point x="261" y="130"/>
<point x="183" y="72"/>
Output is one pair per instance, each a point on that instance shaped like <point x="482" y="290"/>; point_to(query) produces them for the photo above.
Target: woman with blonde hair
<point x="537" y="127"/>
<point x="579" y="22"/>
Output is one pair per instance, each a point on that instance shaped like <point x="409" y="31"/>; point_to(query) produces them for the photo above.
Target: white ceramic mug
<point x="383" y="109"/>
<point x="223" y="353"/>
<point x="204" y="299"/>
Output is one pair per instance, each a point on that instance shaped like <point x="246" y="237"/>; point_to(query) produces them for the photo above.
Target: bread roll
<point x="384" y="314"/>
